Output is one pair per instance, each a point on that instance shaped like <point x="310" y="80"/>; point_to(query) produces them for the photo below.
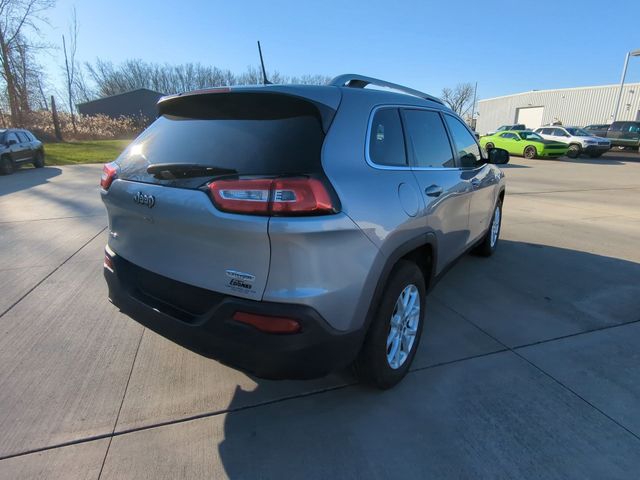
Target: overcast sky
<point x="507" y="47"/>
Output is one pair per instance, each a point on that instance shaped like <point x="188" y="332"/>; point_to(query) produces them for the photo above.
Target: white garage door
<point x="530" y="116"/>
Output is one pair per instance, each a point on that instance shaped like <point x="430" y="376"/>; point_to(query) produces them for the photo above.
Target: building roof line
<point x="560" y="90"/>
<point x="120" y="94"/>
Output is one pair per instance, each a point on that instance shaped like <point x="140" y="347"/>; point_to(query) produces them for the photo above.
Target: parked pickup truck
<point x="623" y="134"/>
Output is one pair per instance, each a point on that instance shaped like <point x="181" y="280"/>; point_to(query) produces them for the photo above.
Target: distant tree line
<point x="20" y="73"/>
<point x="24" y="88"/>
<point x="111" y="79"/>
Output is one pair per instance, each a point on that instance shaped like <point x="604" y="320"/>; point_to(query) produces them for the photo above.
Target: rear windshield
<point x="287" y="144"/>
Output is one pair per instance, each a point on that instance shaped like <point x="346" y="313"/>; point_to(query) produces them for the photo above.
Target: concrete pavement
<point x="528" y="368"/>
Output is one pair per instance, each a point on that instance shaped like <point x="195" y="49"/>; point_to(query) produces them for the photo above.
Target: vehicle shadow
<point x="513" y="165"/>
<point x="487" y="414"/>
<point x="23" y="178"/>
<point x="609" y="158"/>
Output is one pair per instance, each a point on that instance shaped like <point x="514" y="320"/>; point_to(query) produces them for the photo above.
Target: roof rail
<point x="360" y="81"/>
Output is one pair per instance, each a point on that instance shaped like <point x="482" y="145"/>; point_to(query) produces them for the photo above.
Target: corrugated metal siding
<point x="571" y="106"/>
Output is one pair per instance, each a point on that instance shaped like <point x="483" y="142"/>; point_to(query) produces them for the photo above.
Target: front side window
<point x="11" y="136"/>
<point x="531" y="136"/>
<point x="465" y="143"/>
<point x="23" y="138"/>
<point x="386" y="139"/>
<point x="428" y="139"/>
<point x="578" y="132"/>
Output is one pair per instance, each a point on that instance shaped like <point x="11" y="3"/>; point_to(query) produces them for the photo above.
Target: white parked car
<point x="579" y="140"/>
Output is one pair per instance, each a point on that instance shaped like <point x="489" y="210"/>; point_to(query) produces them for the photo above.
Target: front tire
<point x="39" y="160"/>
<point x="6" y="166"/>
<point x="574" y="151"/>
<point x="394" y="335"/>
<point x="490" y="240"/>
<point x="489" y="146"/>
<point x="530" y="152"/>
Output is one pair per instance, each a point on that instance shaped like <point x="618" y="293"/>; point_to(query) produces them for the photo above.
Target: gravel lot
<point x="529" y="365"/>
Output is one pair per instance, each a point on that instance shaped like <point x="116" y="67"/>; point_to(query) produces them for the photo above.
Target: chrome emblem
<point x="144" y="199"/>
<point x="246" y="277"/>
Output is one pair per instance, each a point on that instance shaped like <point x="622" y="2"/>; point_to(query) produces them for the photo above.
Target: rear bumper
<point x="313" y="352"/>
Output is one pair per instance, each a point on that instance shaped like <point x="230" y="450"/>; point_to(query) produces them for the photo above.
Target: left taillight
<point x="282" y="196"/>
<point x="109" y="174"/>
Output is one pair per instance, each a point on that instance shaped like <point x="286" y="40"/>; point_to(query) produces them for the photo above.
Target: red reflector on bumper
<point x="268" y="324"/>
<point x="108" y="264"/>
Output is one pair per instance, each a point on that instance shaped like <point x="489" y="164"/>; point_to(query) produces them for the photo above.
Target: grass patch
<point x="90" y="151"/>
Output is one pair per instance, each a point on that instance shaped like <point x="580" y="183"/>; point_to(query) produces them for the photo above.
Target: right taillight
<point x="279" y="196"/>
<point x="109" y="174"/>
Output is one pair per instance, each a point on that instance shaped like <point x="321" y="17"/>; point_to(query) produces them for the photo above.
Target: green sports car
<point x="525" y="143"/>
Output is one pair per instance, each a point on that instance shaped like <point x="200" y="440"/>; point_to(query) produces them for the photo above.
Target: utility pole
<point x="635" y="53"/>
<point x="473" y="107"/>
<point x="56" y="121"/>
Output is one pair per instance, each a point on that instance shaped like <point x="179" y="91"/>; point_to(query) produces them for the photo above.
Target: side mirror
<point x="11" y="142"/>
<point x="498" y="156"/>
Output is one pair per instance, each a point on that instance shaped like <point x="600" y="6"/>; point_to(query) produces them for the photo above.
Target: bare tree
<point x="112" y="79"/>
<point x="70" y="64"/>
<point x="17" y="18"/>
<point x="458" y="99"/>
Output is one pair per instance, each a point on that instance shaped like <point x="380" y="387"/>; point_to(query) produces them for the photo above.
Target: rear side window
<point x="616" y="126"/>
<point x="465" y="143"/>
<point x="386" y="140"/>
<point x="242" y="137"/>
<point x="428" y="139"/>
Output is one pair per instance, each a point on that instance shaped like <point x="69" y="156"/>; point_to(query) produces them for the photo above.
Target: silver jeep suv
<point x="289" y="231"/>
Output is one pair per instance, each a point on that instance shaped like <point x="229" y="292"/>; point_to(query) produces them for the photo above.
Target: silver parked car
<point x="289" y="231"/>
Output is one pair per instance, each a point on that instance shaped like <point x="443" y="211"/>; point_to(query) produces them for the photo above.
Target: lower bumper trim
<point x="316" y="350"/>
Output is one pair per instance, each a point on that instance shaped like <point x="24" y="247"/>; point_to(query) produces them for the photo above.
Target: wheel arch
<point x="423" y="251"/>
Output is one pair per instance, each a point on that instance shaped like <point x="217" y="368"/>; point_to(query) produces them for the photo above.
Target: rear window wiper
<point x="171" y="171"/>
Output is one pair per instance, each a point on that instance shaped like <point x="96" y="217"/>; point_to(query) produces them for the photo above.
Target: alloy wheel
<point x="495" y="227"/>
<point x="404" y="326"/>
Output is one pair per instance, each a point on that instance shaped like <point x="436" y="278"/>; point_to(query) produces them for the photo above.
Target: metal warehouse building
<point x="135" y="103"/>
<point x="572" y="106"/>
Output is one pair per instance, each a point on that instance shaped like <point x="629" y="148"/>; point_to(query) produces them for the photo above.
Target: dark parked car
<point x="624" y="134"/>
<point x="18" y="147"/>
<point x="598" y="129"/>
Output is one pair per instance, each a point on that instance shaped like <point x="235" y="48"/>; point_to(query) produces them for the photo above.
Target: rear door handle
<point x="433" y="191"/>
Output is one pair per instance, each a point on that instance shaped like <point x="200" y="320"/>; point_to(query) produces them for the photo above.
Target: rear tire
<point x="388" y="351"/>
<point x="574" y="150"/>
<point x="530" y="152"/>
<point x="490" y="240"/>
<point x="39" y="160"/>
<point x="6" y="166"/>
